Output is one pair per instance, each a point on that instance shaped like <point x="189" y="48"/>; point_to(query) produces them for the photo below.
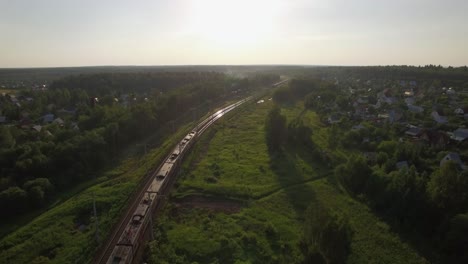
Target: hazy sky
<point x="47" y="33"/>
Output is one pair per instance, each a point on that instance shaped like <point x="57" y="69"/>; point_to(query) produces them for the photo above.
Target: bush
<point x="13" y="199"/>
<point x="326" y="234"/>
<point x="354" y="175"/>
<point x="448" y="188"/>
<point x="276" y="130"/>
<point x="456" y="239"/>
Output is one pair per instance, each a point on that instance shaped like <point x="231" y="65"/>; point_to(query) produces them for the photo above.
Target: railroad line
<point x="123" y="243"/>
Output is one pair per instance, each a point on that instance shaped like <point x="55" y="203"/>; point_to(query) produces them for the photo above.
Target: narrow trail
<point x="282" y="188"/>
<point x="207" y="195"/>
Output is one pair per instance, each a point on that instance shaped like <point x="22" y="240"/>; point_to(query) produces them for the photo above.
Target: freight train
<point x="132" y="237"/>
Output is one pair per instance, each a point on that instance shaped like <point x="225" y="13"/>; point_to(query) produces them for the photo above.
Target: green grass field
<point x="254" y="201"/>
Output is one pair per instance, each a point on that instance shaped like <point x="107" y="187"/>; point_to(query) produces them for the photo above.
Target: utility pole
<point x="194" y="113"/>
<point x="151" y="215"/>
<point x="96" y="219"/>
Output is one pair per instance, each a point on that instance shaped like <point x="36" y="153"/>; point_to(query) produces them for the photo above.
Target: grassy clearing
<point x="237" y="162"/>
<point x="232" y="161"/>
<point x="65" y="234"/>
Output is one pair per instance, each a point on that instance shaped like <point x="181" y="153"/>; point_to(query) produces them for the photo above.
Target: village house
<point x="74" y="126"/>
<point x="454" y="157"/>
<point x="435" y="138"/>
<point x="357" y="127"/>
<point x="409" y="92"/>
<point x="459" y="111"/>
<point x="414" y="132"/>
<point x="438" y="118"/>
<point x="460" y="134"/>
<point x="25" y="122"/>
<point x="65" y="112"/>
<point x="48" y="118"/>
<point x="59" y="121"/>
<point x="415" y="109"/>
<point x="394" y="116"/>
<point x="402" y="165"/>
<point x="334" y="118"/>
<point x="38" y="128"/>
<point x="386" y="97"/>
<point x="450" y="91"/>
<point x="363" y="100"/>
<point x="409" y="101"/>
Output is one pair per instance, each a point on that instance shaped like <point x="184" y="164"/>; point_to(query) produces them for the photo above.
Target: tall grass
<point x="232" y="161"/>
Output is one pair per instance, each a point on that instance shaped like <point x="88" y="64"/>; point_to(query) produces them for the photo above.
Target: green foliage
<point x="39" y="190"/>
<point x="13" y="200"/>
<point x="382" y="157"/>
<point x="111" y="83"/>
<point x="327" y="234"/>
<point x="6" y="138"/>
<point x="448" y="188"/>
<point x="65" y="233"/>
<point x="388" y="147"/>
<point x="354" y="174"/>
<point x="276" y="129"/>
<point x="299" y="88"/>
<point x="282" y="95"/>
<point x="300" y="134"/>
<point x="456" y="239"/>
<point x="352" y="139"/>
<point x="403" y="196"/>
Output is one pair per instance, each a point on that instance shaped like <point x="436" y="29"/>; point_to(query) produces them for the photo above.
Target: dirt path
<point x="211" y="203"/>
<point x="282" y="188"/>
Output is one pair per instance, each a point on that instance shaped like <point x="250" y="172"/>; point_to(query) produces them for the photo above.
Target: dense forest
<point x="96" y="117"/>
<point x="27" y="77"/>
<point x="403" y="72"/>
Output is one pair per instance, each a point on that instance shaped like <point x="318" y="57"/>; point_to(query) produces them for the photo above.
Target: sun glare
<point x="233" y="23"/>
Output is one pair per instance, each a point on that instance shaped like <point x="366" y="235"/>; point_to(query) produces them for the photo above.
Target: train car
<point x="130" y="239"/>
<point x="156" y="185"/>
<point x="174" y="155"/>
<point x="139" y="218"/>
<point x="121" y="255"/>
<point x="188" y="138"/>
<point x="165" y="171"/>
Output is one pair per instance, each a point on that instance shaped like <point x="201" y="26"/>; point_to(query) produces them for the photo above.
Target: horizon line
<point x="229" y="65"/>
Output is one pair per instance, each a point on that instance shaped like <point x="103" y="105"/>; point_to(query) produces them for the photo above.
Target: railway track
<point x="106" y="249"/>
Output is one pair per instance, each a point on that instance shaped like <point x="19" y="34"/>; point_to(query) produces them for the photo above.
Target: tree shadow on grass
<point x="421" y="239"/>
<point x="302" y="196"/>
<point x="283" y="165"/>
